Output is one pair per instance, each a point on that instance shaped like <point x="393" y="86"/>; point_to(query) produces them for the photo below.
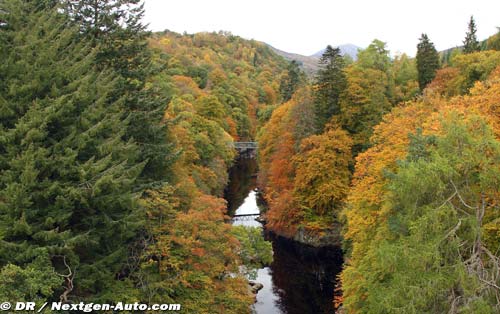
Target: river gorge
<point x="301" y="279"/>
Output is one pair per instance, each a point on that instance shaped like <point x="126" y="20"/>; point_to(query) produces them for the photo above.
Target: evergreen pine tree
<point x="331" y="82"/>
<point x="67" y="189"/>
<point x="427" y="61"/>
<point x="470" y="42"/>
<point x="438" y="219"/>
<point x="115" y="29"/>
<point x="290" y="82"/>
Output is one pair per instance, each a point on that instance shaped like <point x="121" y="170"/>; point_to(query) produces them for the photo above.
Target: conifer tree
<point x="290" y="81"/>
<point x="331" y="82"/>
<point x="470" y="42"/>
<point x="116" y="30"/>
<point x="67" y="189"/>
<point x="427" y="61"/>
<point x="439" y="214"/>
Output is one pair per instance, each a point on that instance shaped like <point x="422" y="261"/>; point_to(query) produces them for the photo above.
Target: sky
<point x="307" y="26"/>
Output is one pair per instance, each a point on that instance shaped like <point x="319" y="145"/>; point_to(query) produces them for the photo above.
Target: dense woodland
<point x="115" y="145"/>
<point x="114" y="150"/>
<point x="401" y="156"/>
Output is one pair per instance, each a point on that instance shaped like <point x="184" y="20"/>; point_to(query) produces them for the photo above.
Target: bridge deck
<point x="246" y="215"/>
<point x="245" y="145"/>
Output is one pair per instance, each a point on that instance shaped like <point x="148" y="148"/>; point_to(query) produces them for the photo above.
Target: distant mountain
<point x="309" y="64"/>
<point x="347" y="49"/>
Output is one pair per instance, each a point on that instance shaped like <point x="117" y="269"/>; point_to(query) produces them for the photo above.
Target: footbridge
<point x="245" y="217"/>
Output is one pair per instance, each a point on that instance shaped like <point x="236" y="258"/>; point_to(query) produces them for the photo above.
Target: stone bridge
<point x="248" y="149"/>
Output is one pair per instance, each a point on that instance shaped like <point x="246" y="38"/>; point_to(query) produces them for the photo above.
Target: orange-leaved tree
<point x="371" y="218"/>
<point x="322" y="174"/>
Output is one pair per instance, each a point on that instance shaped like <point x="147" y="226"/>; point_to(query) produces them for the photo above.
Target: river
<point x="301" y="279"/>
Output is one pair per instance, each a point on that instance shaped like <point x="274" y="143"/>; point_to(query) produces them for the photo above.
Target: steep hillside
<point x="240" y="77"/>
<point x="305" y="172"/>
<point x="309" y="64"/>
<point x="114" y="149"/>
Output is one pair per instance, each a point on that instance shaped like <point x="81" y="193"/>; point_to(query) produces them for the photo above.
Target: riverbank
<point x="301" y="278"/>
<point x="323" y="239"/>
<point x="330" y="237"/>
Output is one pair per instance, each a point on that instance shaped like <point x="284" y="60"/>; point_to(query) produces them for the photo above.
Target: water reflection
<point x="268" y="299"/>
<point x="300" y="279"/>
<point x="242" y="179"/>
<point x="303" y="277"/>
<point x="249" y="207"/>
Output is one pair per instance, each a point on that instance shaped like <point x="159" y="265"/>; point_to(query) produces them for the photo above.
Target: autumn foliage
<point x="305" y="177"/>
<point x="115" y="146"/>
<point x="412" y="156"/>
<point x="276" y="146"/>
<point x="372" y="219"/>
<point x="316" y="186"/>
<point x="216" y="84"/>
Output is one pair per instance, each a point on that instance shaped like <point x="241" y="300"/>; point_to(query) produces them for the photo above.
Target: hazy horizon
<point x="301" y="28"/>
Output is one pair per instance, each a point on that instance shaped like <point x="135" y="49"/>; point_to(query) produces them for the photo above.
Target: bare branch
<point x="489" y="283"/>
<point x="454" y="230"/>
<point x="69" y="281"/>
<point x="460" y="197"/>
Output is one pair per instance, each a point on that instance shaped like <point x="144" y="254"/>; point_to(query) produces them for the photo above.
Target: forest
<point x="115" y="146"/>
<point x="397" y="160"/>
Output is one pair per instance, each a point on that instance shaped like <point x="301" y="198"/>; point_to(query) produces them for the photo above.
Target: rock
<point x="329" y="237"/>
<point x="261" y="219"/>
<point x="255" y="286"/>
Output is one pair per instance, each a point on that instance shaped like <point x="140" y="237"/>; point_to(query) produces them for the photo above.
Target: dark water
<point x="242" y="180"/>
<point x="301" y="279"/>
